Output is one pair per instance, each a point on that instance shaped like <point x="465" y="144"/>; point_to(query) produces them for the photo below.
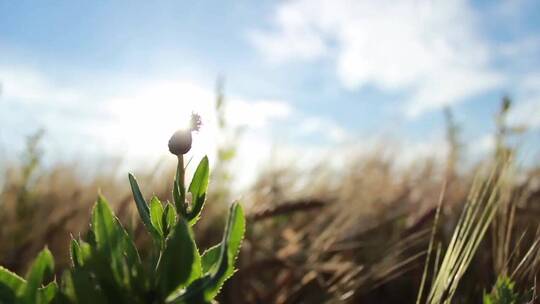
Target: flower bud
<point x="196" y="122"/>
<point x="180" y="142"/>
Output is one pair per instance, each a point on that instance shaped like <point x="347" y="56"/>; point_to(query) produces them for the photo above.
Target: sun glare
<point x="141" y="121"/>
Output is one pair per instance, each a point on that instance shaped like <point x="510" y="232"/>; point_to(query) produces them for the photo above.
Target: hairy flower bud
<point x="196" y="122"/>
<point x="180" y="142"/>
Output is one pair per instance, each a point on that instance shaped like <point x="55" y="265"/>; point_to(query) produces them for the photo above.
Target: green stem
<point x="180" y="178"/>
<point x="180" y="171"/>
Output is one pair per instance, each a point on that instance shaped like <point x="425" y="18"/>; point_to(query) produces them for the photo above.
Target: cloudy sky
<point x="118" y="77"/>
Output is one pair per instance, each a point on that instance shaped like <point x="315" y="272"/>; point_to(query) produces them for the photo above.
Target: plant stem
<point x="180" y="177"/>
<point x="180" y="171"/>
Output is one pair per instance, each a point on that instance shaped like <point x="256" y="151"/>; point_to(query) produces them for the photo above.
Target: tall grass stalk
<point x="471" y="228"/>
<point x="430" y="246"/>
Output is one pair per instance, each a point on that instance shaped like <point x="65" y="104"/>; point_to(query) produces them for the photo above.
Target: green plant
<point x="14" y="289"/>
<point x="107" y="267"/>
<point x="504" y="293"/>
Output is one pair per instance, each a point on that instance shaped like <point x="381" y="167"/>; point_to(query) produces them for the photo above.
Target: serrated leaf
<point x="156" y="215"/>
<point x="197" y="188"/>
<point x="48" y="293"/>
<point x="79" y="287"/>
<point x="142" y="206"/>
<point x="114" y="249"/>
<point x="193" y="294"/>
<point x="80" y="252"/>
<point x="230" y="246"/>
<point x="110" y="237"/>
<point x="210" y="257"/>
<point x="10" y="283"/>
<point x="75" y="253"/>
<point x="207" y="287"/>
<point x="180" y="263"/>
<point x="168" y="219"/>
<point x="42" y="266"/>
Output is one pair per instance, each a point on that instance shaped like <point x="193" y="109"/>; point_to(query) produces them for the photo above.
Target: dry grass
<point x="353" y="235"/>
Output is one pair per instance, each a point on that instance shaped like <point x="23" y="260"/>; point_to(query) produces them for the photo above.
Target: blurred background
<point x="336" y="123"/>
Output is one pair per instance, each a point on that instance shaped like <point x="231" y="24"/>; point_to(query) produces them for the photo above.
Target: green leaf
<point x="227" y="154"/>
<point x="210" y="257"/>
<point x="195" y="293"/>
<point x="504" y="293"/>
<point x="114" y="249"/>
<point x="48" y="293"/>
<point x="180" y="263"/>
<point x="168" y="219"/>
<point x="197" y="188"/>
<point x="207" y="287"/>
<point x="42" y="266"/>
<point x="79" y="287"/>
<point x="75" y="253"/>
<point x="80" y="252"/>
<point x="156" y="215"/>
<point x="142" y="206"/>
<point x="230" y="247"/>
<point x="10" y="283"/>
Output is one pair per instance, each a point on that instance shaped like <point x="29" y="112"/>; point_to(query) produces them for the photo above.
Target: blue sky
<point x="116" y="78"/>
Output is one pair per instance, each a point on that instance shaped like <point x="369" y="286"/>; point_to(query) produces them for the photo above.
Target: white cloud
<point x="256" y="113"/>
<point x="413" y="151"/>
<point x="297" y="38"/>
<point x="429" y="49"/>
<point x="526" y="111"/>
<point x="134" y="117"/>
<point x="29" y="86"/>
<point x="453" y="86"/>
<point x="524" y="115"/>
<point x="482" y="146"/>
<point x="323" y="127"/>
